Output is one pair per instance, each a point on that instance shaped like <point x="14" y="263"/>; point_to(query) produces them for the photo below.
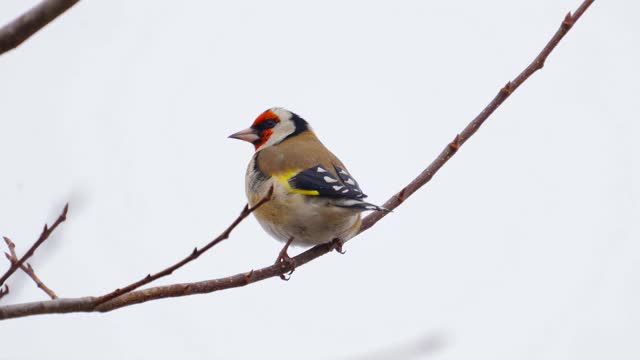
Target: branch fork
<point x="13" y="259"/>
<point x="18" y="263"/>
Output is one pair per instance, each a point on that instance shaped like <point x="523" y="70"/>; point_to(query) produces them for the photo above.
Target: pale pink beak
<point x="248" y="135"/>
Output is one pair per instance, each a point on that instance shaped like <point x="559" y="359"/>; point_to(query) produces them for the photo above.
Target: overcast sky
<point x="524" y="246"/>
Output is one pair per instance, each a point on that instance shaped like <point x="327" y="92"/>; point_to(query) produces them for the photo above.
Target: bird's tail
<point x="361" y="205"/>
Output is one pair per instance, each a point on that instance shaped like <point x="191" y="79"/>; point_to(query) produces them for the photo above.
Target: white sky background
<point x="524" y="246"/>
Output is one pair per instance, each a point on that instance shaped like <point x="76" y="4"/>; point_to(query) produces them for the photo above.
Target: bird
<point x="313" y="197"/>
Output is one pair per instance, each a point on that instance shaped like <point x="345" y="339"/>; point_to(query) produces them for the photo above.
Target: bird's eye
<point x="268" y="124"/>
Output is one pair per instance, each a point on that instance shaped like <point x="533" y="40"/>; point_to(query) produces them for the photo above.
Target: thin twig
<point x="89" y="304"/>
<point x="194" y="254"/>
<point x="4" y="291"/>
<point x="319" y="250"/>
<point x="13" y="258"/>
<point x="207" y="286"/>
<point x="475" y="124"/>
<point x="27" y="24"/>
<point x="43" y="237"/>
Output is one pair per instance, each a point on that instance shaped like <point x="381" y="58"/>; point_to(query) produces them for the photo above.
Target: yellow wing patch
<point x="284" y="177"/>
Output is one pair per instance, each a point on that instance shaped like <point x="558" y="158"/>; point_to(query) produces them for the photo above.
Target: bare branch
<point x="194" y="254"/>
<point x="27" y="24"/>
<point x="4" y="291"/>
<point x="207" y="286"/>
<point x="475" y="124"/>
<point x="92" y="304"/>
<point x="13" y="258"/>
<point x="43" y="237"/>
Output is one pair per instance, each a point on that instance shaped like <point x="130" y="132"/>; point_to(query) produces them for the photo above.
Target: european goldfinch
<point x="315" y="199"/>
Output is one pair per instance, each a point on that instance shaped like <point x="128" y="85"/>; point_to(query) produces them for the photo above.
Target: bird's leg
<point x="336" y="244"/>
<point x="285" y="261"/>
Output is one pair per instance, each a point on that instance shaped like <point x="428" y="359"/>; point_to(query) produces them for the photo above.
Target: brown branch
<point x="207" y="286"/>
<point x="13" y="258"/>
<point x="4" y="291"/>
<point x="43" y="237"/>
<point x="90" y="304"/>
<point x="27" y="24"/>
<point x="475" y="124"/>
<point x="194" y="254"/>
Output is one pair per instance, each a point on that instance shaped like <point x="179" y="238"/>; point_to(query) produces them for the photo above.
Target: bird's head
<point x="272" y="127"/>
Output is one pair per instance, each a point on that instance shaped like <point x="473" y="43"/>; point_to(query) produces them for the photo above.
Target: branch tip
<point x="266" y="198"/>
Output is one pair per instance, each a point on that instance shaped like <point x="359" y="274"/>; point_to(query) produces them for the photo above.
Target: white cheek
<point x="281" y="131"/>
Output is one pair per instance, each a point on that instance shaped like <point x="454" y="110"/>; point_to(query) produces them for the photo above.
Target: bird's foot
<point x="286" y="262"/>
<point x="336" y="244"/>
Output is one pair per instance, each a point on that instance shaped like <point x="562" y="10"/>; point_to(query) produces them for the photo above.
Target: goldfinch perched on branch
<point x="315" y="200"/>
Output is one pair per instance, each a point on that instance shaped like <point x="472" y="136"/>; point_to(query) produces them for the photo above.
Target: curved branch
<point x="90" y="304"/>
<point x="27" y="24"/>
<point x="246" y="211"/>
<point x="475" y="124"/>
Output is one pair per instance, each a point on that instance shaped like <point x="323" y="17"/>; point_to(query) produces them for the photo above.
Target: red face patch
<point x="263" y="125"/>
<point x="264" y="116"/>
<point x="264" y="136"/>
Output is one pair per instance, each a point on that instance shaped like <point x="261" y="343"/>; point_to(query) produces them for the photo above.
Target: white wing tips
<point x="360" y="205"/>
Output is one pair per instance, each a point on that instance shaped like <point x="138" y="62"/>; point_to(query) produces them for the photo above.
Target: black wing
<point x="318" y="178"/>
